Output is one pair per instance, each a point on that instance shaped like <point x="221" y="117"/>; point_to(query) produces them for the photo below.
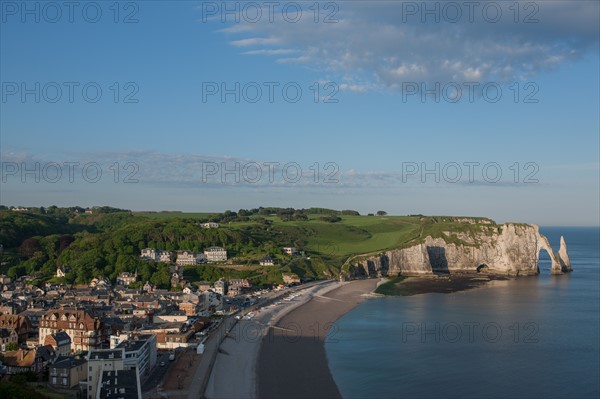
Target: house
<point x="165" y="256"/>
<point x="62" y="271"/>
<point x="148" y="287"/>
<point x="176" y="279"/>
<point x="209" y="225"/>
<point x="126" y="278"/>
<point x="189" y="308"/>
<point x="221" y="286"/>
<point x="99" y="361"/>
<point x="215" y="254"/>
<point x="60" y="341"/>
<point x="7" y="337"/>
<point x="186" y="258"/>
<point x="13" y="307"/>
<point x="119" y="384"/>
<point x="289" y="250"/>
<point x="150" y="254"/>
<point x="189" y="289"/>
<point x="100" y="282"/>
<point x="203" y="285"/>
<point x="173" y="339"/>
<point x="267" y="261"/>
<point x="156" y="255"/>
<point x="237" y="286"/>
<point x="4" y="279"/>
<point x="20" y="324"/>
<point x="24" y="360"/>
<point x="86" y="331"/>
<point x="66" y="373"/>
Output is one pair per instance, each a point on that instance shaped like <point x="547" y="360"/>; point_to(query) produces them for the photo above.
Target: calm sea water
<point x="536" y="337"/>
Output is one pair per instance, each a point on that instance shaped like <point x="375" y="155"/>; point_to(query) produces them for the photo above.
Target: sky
<point x="442" y="108"/>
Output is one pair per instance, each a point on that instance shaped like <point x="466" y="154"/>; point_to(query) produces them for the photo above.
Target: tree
<point x="381" y="213"/>
<point x="12" y="346"/>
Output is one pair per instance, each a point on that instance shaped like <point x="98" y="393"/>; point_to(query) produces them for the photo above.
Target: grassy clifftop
<point x="109" y="243"/>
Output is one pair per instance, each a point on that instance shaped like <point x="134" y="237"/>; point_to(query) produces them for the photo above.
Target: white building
<point x="209" y="225"/>
<point x="290" y="250"/>
<point x="185" y="258"/>
<point x="100" y="360"/>
<point x="126" y="278"/>
<point x="156" y="255"/>
<point x="221" y="286"/>
<point x="267" y="261"/>
<point x="139" y="350"/>
<point x="165" y="257"/>
<point x="215" y="254"/>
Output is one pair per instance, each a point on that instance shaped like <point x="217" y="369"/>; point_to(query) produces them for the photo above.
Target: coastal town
<point x="105" y="339"/>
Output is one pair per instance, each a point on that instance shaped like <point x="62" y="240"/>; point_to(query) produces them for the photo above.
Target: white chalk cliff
<point x="511" y="249"/>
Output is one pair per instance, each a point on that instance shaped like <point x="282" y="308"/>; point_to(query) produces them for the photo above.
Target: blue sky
<point x="366" y="145"/>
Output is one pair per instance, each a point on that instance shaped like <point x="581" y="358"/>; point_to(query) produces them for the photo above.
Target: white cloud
<point x="382" y="45"/>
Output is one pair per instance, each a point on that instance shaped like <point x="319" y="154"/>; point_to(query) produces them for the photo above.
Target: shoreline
<point x="238" y="353"/>
<point x="292" y="362"/>
<point x="280" y="353"/>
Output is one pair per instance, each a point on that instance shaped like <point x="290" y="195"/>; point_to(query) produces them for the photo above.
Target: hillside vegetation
<point x="108" y="241"/>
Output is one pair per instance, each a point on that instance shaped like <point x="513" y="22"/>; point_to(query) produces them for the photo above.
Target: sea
<point x="533" y="337"/>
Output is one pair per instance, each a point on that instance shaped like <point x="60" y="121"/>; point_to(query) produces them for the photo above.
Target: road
<point x="149" y="383"/>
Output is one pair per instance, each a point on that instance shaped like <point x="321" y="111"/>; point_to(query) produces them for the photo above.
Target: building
<point x="170" y="340"/>
<point x="139" y="351"/>
<point x="209" y="225"/>
<point x="86" y="331"/>
<point x="126" y="278"/>
<point x="62" y="271"/>
<point x="267" y="261"/>
<point x="237" y="286"/>
<point x="150" y="254"/>
<point x="187" y="258"/>
<point x="20" y="324"/>
<point x="100" y="282"/>
<point x="7" y="337"/>
<point x="203" y="285"/>
<point x="24" y="360"/>
<point x="289" y="250"/>
<point x="189" y="308"/>
<point x="120" y="384"/>
<point x="156" y="255"/>
<point x="165" y="256"/>
<point x="215" y="254"/>
<point x="67" y="373"/>
<point x="221" y="286"/>
<point x="60" y="341"/>
<point x="99" y="361"/>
